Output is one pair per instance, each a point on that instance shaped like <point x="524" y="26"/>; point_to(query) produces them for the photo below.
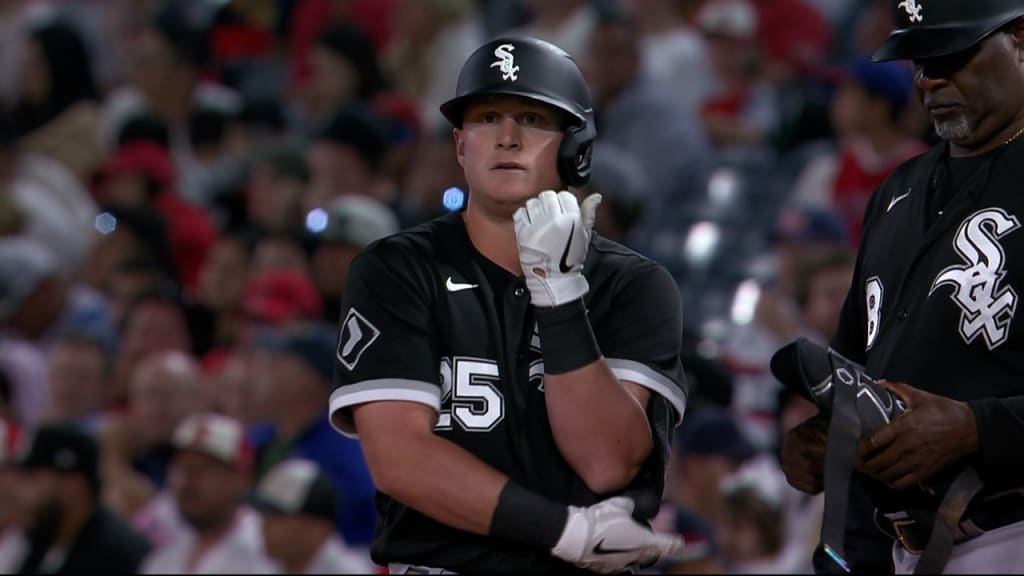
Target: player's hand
<point x="931" y="434"/>
<point x="605" y="538"/>
<point x="553" y="234"/>
<point x="803" y="455"/>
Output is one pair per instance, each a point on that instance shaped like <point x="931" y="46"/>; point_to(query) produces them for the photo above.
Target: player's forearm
<point x="441" y="480"/>
<point x="600" y="428"/>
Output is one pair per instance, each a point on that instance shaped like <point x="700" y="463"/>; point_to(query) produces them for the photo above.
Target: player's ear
<point x="460" y="141"/>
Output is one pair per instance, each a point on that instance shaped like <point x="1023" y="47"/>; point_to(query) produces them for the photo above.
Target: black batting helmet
<point x="538" y="70"/>
<point x="930" y="28"/>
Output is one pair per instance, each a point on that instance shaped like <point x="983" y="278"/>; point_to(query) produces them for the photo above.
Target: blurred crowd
<point x="183" y="184"/>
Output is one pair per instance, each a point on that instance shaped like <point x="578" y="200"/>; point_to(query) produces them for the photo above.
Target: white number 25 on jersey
<point x="469" y="395"/>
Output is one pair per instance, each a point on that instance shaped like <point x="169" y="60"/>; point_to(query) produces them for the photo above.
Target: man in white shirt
<point x="208" y="478"/>
<point x="298" y="504"/>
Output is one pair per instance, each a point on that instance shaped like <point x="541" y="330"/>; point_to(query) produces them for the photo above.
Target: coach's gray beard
<point x="953" y="129"/>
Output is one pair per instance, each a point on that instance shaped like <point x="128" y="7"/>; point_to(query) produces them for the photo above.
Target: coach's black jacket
<point x="935" y="298"/>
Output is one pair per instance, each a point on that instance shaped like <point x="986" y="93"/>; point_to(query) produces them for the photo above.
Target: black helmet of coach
<point x="931" y="28"/>
<point x="538" y="70"/>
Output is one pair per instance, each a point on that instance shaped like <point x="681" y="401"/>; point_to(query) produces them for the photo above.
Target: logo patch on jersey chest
<point x="357" y="334"/>
<point x="987" y="307"/>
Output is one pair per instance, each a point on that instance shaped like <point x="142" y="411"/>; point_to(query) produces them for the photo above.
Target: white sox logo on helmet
<point x="913" y="10"/>
<point x="987" y="308"/>
<point x="506" y="62"/>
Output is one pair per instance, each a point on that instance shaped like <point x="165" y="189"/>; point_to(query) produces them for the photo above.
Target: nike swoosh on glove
<point x="553" y="234"/>
<point x="605" y="538"/>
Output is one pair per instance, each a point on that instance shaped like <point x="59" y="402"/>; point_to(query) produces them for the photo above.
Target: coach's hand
<point x="553" y="234"/>
<point x="605" y="538"/>
<point x="803" y="455"/>
<point x="931" y="434"/>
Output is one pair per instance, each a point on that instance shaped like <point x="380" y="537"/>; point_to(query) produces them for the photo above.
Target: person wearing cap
<point x="754" y="529"/>
<point x="868" y="111"/>
<point x="742" y="114"/>
<point x="932" y="309"/>
<point x="143" y="175"/>
<point x="68" y="529"/>
<point x="297" y="500"/>
<point x="13" y="545"/>
<point x="346" y="155"/>
<point x="711" y="445"/>
<point x="208" y="480"/>
<point x="353" y="222"/>
<point x="294" y="367"/>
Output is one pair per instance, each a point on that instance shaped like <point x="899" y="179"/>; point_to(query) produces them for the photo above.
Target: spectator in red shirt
<point x="143" y="174"/>
<point x="866" y="114"/>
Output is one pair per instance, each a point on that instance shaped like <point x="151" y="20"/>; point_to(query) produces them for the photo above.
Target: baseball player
<point x="933" y="304"/>
<point x="513" y="377"/>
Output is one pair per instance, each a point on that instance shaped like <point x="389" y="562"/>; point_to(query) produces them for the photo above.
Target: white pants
<point x="1000" y="551"/>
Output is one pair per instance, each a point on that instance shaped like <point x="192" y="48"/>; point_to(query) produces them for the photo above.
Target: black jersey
<point x="428" y="319"/>
<point x="937" y="285"/>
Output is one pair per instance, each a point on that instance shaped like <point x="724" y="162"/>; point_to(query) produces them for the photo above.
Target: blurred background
<point x="183" y="184"/>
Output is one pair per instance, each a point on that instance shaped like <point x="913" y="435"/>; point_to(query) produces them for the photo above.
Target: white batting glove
<point x="605" y="538"/>
<point x="553" y="234"/>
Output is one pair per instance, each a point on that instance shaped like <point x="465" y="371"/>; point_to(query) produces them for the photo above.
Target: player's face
<point x="508" y="149"/>
<point x="973" y="96"/>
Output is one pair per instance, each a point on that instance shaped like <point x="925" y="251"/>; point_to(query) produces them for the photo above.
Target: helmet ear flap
<point x="574" y="155"/>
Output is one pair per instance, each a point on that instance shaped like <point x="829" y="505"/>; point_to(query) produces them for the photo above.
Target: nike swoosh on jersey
<point x="896" y="199"/>
<point x="456" y="286"/>
<point x="563" y="265"/>
<point x="601" y="550"/>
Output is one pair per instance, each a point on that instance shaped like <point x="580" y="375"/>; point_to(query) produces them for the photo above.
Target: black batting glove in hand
<point x="553" y="235"/>
<point x="934" y="433"/>
<point x="605" y="538"/>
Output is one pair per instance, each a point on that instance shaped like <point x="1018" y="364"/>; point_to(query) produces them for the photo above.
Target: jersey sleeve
<point x="386" y="349"/>
<point x="642" y="340"/>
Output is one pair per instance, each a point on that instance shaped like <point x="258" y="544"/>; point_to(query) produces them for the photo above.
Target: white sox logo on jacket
<point x="987" y="306"/>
